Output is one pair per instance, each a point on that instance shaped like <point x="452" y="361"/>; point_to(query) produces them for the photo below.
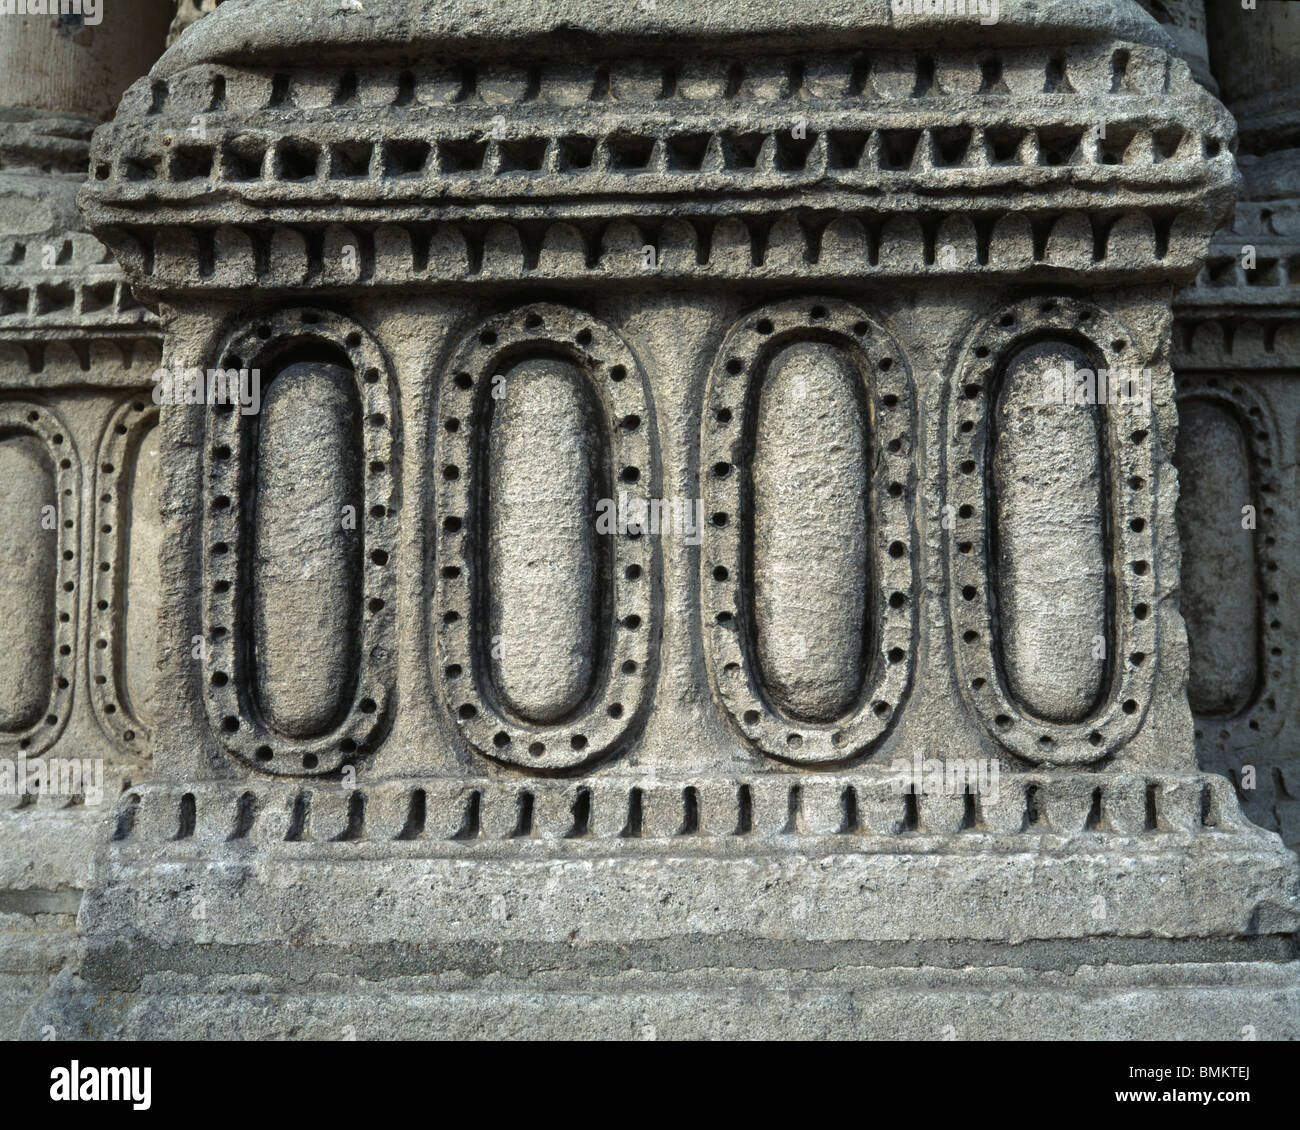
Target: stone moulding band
<point x="835" y="242"/>
<point x="64" y="281"/>
<point x="1237" y="342"/>
<point x="19" y="418"/>
<point x="857" y="812"/>
<point x="694" y="125"/>
<point x="891" y="152"/>
<point x="726" y="443"/>
<point x="235" y="719"/>
<point x="1128" y="465"/>
<point x="1003" y="145"/>
<point x="615" y="707"/>
<point x="1226" y="285"/>
<point x="68" y="303"/>
<point x="1115" y="72"/>
<point x="79" y="360"/>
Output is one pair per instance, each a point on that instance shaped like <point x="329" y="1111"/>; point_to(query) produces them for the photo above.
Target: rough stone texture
<point x="29" y="562"/>
<point x="546" y="474"/>
<point x="811" y="569"/>
<point x="305" y="573"/>
<point x="1185" y="23"/>
<point x="67" y="65"/>
<point x="641" y="780"/>
<point x="1051" y="605"/>
<point x="1222" y="623"/>
<point x="1236" y="351"/>
<point x="1230" y="1001"/>
<point x="77" y="352"/>
<point x="188" y="12"/>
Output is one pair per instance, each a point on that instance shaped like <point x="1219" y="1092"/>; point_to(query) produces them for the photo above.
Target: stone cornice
<point x="599" y="815"/>
<point x="915" y="163"/>
<point x="246" y="31"/>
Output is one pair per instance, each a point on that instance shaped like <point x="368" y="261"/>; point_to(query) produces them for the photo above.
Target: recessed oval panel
<point x="28" y="568"/>
<point x="1220" y="586"/>
<point x="544" y="605"/>
<point x="306" y="536"/>
<point x="810" y="476"/>
<point x="544" y="568"/>
<point x="806" y="561"/>
<point x="1048" y="526"/>
<point x="141" y="518"/>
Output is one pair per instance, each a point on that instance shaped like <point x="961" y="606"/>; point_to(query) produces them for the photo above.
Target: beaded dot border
<point x="1263" y="716"/>
<point x="731" y="397"/>
<point x="1130" y="430"/>
<point x="46" y="426"/>
<point x="606" y="719"/>
<point x="118" y="450"/>
<point x="232" y="714"/>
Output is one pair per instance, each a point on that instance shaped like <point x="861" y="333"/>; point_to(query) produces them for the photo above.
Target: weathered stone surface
<point x="1223" y="623"/>
<point x="306" y="557"/>
<point x="28" y="562"/>
<point x="1185" y="23"/>
<point x="1234" y="347"/>
<point x="77" y="352"/>
<point x="1050" y="531"/>
<point x="1106" y="1002"/>
<point x="811" y="488"/>
<point x="685" y="369"/>
<point x="546" y="575"/>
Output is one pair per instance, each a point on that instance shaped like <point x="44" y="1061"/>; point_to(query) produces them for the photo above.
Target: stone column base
<point x="1162" y="1001"/>
<point x="1072" y="906"/>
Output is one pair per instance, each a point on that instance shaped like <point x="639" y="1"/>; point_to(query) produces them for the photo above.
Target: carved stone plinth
<point x="1236" y="352"/>
<point x="655" y="496"/>
<point x="78" y="493"/>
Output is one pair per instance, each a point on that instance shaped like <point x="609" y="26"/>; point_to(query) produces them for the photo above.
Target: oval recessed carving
<point x="1049" y="529"/>
<point x="299" y="527"/>
<point x="807" y="567"/>
<point x="1238" y="634"/>
<point x="127" y="579"/>
<point x="1050" y="543"/>
<point x="1213" y="463"/>
<point x="811" y="563"/>
<point x="544" y="556"/>
<point x="545" y="606"/>
<point x="39" y="564"/>
<point x="305" y="533"/>
<point x="29" y="567"/>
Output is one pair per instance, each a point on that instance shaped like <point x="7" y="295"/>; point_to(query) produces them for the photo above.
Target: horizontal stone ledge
<point x="861" y="812"/>
<point x="578" y="963"/>
<point x="856" y="243"/>
<point x="80" y="357"/>
<point x="257" y="161"/>
<point x="227" y="898"/>
<point x="1172" y="1002"/>
<point x="1219" y="341"/>
<point x="1028" y="186"/>
<point x="324" y="31"/>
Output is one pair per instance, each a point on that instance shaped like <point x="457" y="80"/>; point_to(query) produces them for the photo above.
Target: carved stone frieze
<point x="706" y="517"/>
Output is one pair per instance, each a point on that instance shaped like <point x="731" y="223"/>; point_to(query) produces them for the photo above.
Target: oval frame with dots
<point x="1129" y="452"/>
<point x="731" y="398"/>
<point x="235" y="721"/>
<point x="620" y="698"/>
<point x="118" y="451"/>
<point x="18" y="417"/>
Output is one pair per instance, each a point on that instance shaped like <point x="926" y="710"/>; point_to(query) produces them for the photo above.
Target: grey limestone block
<point x="79" y="478"/>
<point x="1235" y="350"/>
<point x="708" y="524"/>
